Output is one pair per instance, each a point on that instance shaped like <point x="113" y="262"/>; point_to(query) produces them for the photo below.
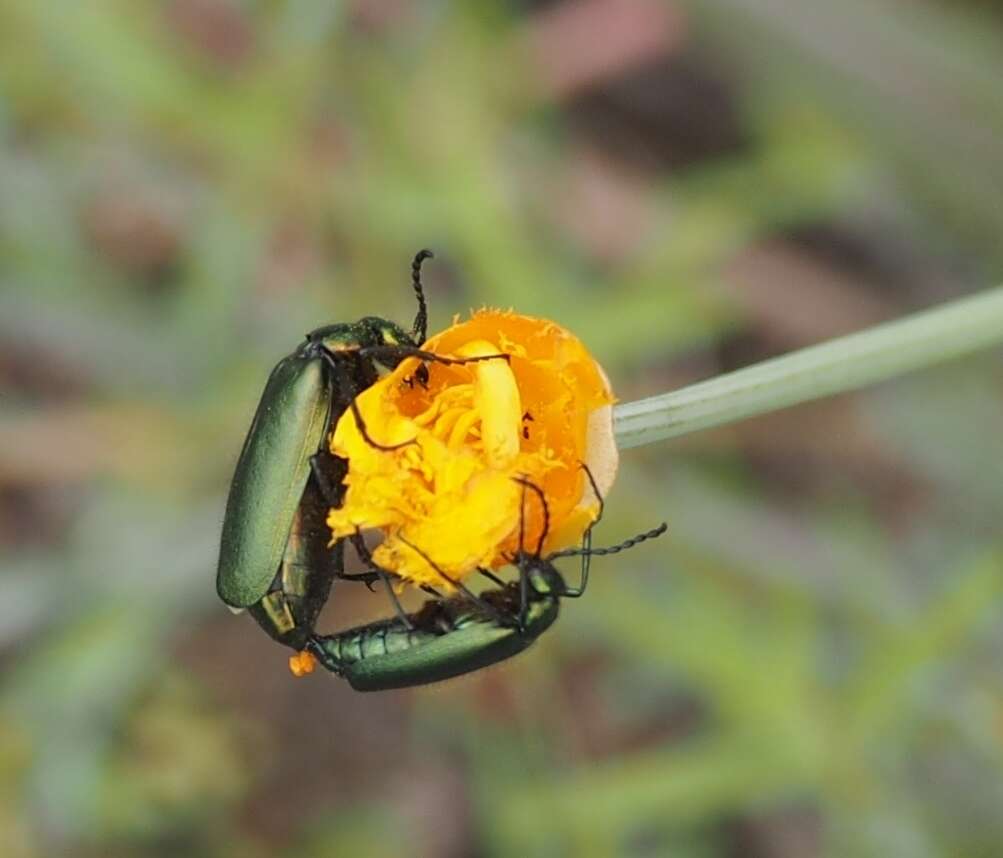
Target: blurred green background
<point x="807" y="665"/>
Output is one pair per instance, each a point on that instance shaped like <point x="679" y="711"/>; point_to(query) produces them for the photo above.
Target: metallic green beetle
<point x="451" y="637"/>
<point x="274" y="557"/>
<point x="447" y="638"/>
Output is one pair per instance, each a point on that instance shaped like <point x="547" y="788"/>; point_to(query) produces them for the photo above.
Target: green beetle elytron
<point x="274" y="557"/>
<point x="451" y="637"/>
<point x="447" y="638"/>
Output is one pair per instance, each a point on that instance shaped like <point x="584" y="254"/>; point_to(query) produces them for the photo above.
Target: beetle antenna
<point x="421" y="319"/>
<point x="612" y="549"/>
<point x="529" y="484"/>
<point x="524" y="560"/>
<point x="587" y="536"/>
<point x="523" y="574"/>
<point x="398" y="352"/>
<point x="597" y="493"/>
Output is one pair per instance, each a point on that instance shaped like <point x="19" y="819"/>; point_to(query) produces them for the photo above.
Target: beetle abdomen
<point x="449" y="638"/>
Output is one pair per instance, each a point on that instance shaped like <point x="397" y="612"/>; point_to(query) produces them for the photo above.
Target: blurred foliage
<point x="807" y="665"/>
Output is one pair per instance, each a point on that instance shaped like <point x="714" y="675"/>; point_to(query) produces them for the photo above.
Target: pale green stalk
<point x="837" y="366"/>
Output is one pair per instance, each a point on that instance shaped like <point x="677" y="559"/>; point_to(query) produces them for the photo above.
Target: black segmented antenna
<point x="420" y="320"/>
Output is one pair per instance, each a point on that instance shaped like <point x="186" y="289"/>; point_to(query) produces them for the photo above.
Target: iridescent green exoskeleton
<point x="274" y="557"/>
<point x="451" y="637"/>
<point x="447" y="638"/>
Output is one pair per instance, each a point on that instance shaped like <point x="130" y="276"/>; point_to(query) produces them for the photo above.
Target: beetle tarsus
<point x="367" y="578"/>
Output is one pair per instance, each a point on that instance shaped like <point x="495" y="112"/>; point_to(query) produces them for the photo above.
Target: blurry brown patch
<point x="599" y="729"/>
<point x="794" y="298"/>
<point x="578" y="45"/>
<point x="672" y="112"/>
<point x="216" y="30"/>
<point x="379" y="16"/>
<point x="320" y="745"/>
<point x="605" y="206"/>
<point x="290" y="259"/>
<point x="31" y="372"/>
<point x="329" y="144"/>
<point x="434" y="798"/>
<point x="134" y="232"/>
<point x="35" y="516"/>
<point x="790" y="832"/>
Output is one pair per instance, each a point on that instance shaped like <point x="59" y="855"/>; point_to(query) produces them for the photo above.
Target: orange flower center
<point x="450" y="502"/>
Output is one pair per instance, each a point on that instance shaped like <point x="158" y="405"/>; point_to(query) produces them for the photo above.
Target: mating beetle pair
<point x="275" y="553"/>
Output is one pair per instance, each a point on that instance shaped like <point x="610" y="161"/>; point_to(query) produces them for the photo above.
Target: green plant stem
<point x="837" y="366"/>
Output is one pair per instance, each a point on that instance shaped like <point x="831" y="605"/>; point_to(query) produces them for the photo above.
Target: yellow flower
<point x="453" y="494"/>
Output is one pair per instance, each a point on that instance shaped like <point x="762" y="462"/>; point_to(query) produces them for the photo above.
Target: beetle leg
<point x="488" y="609"/>
<point x="524" y="560"/>
<point x="529" y="484"/>
<point x="398" y="607"/>
<point x="494" y="579"/>
<point x="523" y="572"/>
<point x="587" y="538"/>
<point x="363" y="551"/>
<point x="333" y="498"/>
<point x="367" y="578"/>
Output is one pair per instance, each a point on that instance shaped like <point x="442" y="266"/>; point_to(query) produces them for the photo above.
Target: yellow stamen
<point x="496" y="397"/>
<point x="446" y="421"/>
<point x="461" y="429"/>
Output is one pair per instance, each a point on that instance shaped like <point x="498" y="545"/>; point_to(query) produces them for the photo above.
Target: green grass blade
<point x="841" y="365"/>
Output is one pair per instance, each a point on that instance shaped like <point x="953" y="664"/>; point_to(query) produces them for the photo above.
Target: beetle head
<point x="543" y="575"/>
<point x="367" y="333"/>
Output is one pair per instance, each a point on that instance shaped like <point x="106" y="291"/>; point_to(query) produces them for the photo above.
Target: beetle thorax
<point x="370" y="332"/>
